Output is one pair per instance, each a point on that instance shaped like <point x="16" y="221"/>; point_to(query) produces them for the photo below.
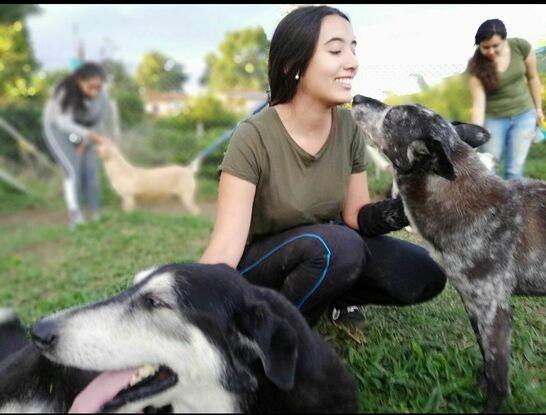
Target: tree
<point x="125" y="92"/>
<point x="17" y="62"/>
<point x="158" y="72"/>
<point x="210" y="111"/>
<point x="118" y="75"/>
<point x="241" y="62"/>
<point x="449" y="98"/>
<point x="11" y="13"/>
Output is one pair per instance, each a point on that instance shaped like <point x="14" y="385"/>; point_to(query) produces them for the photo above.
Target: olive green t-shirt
<point x="294" y="187"/>
<point x="513" y="96"/>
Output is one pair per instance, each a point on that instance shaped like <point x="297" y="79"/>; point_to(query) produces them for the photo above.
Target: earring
<point x="297" y="77"/>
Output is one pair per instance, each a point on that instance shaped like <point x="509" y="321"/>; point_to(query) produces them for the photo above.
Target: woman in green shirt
<point x="506" y="94"/>
<point x="293" y="210"/>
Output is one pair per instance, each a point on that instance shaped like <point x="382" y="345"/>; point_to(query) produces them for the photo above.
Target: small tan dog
<point x="132" y="182"/>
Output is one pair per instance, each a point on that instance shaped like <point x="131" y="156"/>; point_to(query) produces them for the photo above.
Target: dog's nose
<point x="44" y="334"/>
<point x="358" y="99"/>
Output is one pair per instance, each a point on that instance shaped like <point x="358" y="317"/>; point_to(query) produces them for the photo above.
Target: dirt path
<point x="34" y="216"/>
<point x="59" y="216"/>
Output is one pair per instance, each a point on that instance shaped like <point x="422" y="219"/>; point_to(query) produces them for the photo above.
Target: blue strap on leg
<point x="324" y="272"/>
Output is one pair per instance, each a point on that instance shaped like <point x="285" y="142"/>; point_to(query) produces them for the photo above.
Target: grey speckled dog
<point x="488" y="234"/>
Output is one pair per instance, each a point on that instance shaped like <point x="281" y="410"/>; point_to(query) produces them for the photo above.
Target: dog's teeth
<point x="143" y="372"/>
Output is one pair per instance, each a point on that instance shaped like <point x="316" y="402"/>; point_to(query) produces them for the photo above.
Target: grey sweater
<point x="101" y="108"/>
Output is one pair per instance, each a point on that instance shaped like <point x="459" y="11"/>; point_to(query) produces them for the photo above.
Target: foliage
<point x="450" y="98"/>
<point x="209" y="167"/>
<point x="125" y="91"/>
<point x="241" y="62"/>
<point x="183" y="145"/>
<point x="541" y="57"/>
<point x="542" y="76"/>
<point x="130" y="106"/>
<point x="210" y="111"/>
<point x="205" y="109"/>
<point x="158" y="72"/>
<point x="118" y="76"/>
<point x="26" y="118"/>
<point x="10" y="13"/>
<point x="17" y="62"/>
<point x="47" y="80"/>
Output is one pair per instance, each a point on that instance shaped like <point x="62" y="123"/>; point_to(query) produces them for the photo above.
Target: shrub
<point x="450" y="98"/>
<point x="205" y="109"/>
<point x="26" y="118"/>
<point x="130" y="107"/>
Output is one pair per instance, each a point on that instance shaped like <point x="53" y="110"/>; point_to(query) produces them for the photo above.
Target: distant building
<point x="164" y="103"/>
<point x="244" y="100"/>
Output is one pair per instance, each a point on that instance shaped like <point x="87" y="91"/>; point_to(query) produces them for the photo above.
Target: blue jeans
<point x="511" y="137"/>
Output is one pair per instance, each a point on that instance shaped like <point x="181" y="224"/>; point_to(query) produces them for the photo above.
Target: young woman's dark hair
<point x="479" y="65"/>
<point x="73" y="96"/>
<point x="292" y="47"/>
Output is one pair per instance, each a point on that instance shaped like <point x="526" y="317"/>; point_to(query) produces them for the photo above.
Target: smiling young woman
<point x="293" y="210"/>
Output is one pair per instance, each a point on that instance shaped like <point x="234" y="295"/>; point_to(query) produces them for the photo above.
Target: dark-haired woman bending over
<point x="78" y="110"/>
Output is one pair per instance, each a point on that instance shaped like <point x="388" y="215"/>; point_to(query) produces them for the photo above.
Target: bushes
<point x="205" y="109"/>
<point x="130" y="106"/>
<point x="183" y="145"/>
<point x="178" y="134"/>
<point x="27" y="119"/>
<point x="450" y="98"/>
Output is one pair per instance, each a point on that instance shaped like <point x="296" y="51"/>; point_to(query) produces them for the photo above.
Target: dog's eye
<point x="154" y="302"/>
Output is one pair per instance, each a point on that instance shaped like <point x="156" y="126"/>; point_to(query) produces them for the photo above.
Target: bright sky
<point x="394" y="40"/>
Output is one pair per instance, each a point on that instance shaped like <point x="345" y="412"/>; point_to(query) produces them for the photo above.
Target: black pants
<point x="316" y="266"/>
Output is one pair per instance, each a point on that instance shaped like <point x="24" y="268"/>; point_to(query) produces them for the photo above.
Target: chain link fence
<point x="380" y="81"/>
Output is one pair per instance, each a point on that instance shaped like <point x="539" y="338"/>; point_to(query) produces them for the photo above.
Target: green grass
<point x="422" y="358"/>
<point x="45" y="267"/>
<point x="535" y="165"/>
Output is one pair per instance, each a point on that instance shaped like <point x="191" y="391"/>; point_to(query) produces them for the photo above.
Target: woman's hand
<point x="80" y="149"/>
<point x="540" y="117"/>
<point x="98" y="138"/>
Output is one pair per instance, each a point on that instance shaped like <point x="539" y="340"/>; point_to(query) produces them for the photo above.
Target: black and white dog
<point x="183" y="338"/>
<point x="488" y="234"/>
<point x="30" y="383"/>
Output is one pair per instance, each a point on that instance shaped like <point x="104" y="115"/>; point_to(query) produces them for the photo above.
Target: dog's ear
<point x="435" y="154"/>
<point x="471" y="134"/>
<point x="276" y="340"/>
<point x="441" y="159"/>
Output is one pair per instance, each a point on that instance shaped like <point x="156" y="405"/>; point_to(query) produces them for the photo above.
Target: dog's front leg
<point x="189" y="205"/>
<point x="128" y="203"/>
<point x="474" y="323"/>
<point x="495" y="338"/>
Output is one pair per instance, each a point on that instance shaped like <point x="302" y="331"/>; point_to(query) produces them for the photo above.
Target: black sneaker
<point x="349" y="315"/>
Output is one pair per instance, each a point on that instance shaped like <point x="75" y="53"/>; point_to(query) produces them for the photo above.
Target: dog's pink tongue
<point x="101" y="390"/>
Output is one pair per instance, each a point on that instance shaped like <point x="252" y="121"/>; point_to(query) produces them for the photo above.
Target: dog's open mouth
<point x="112" y="390"/>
